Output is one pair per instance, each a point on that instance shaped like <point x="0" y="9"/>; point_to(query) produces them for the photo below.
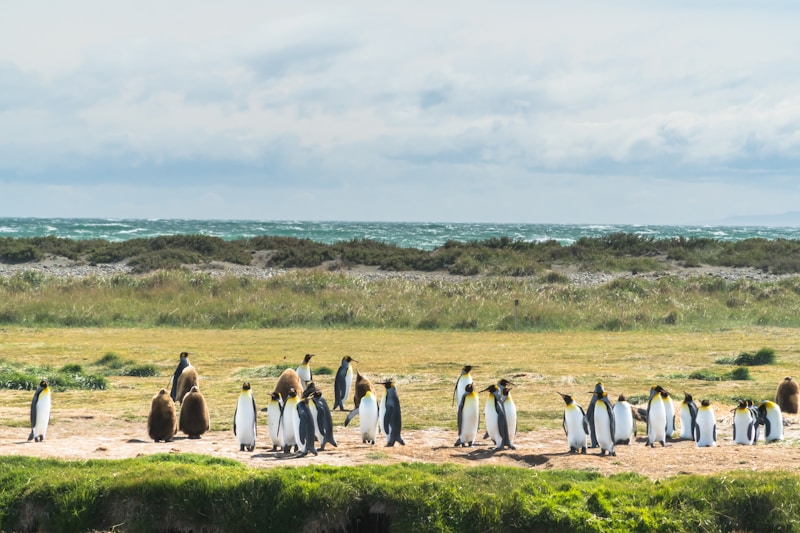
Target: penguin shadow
<point x="530" y="459"/>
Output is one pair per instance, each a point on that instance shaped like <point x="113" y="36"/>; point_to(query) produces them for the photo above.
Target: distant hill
<point x="791" y="218"/>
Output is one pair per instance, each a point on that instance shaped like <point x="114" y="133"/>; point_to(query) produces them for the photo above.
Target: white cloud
<point x="362" y="98"/>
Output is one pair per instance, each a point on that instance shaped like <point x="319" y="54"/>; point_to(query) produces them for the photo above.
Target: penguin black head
<point x="349" y="359"/>
<point x="310" y="390"/>
<point x="163" y="391"/>
<point x="43" y="384"/>
<point x="184" y="355"/>
<point x="292" y="393"/>
<point x="490" y="388"/>
<point x="503" y="382"/>
<point x="507" y="391"/>
<point x="664" y="394"/>
<point x="466" y="369"/>
<point x="705" y="403"/>
<point x="622" y="398"/>
<point x="567" y="398"/>
<point x="389" y="383"/>
<point x="598" y="388"/>
<point x="469" y="388"/>
<point x="275" y="396"/>
<point x="307" y="358"/>
<point x="687" y="397"/>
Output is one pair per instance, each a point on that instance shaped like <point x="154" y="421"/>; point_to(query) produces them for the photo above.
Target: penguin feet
<point x="583" y="450"/>
<point x="602" y="453"/>
<point x="241" y="447"/>
<point x="251" y="448"/>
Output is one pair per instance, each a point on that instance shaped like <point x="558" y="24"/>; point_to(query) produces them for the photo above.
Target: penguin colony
<point x="299" y="416"/>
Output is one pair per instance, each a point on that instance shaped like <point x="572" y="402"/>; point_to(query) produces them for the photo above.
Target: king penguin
<point x="656" y="418"/>
<point x="290" y="422"/>
<point x="624" y="423"/>
<point x="575" y="425"/>
<point x="274" y="410"/>
<point x="705" y="427"/>
<point x="162" y="422"/>
<point x="495" y="417"/>
<point x="306" y="427"/>
<point x="596" y="393"/>
<point x="788" y="395"/>
<point x="389" y="414"/>
<point x="40" y="412"/>
<point x="604" y="424"/>
<point x="324" y="419"/>
<point x="744" y="425"/>
<point x="183" y="362"/>
<point x="511" y="412"/>
<point x="244" y="419"/>
<point x="770" y="415"/>
<point x="368" y="417"/>
<point x="463" y="380"/>
<point x="304" y="370"/>
<point x="688" y="416"/>
<point x="468" y="417"/>
<point x="194" y="419"/>
<point x="342" y="383"/>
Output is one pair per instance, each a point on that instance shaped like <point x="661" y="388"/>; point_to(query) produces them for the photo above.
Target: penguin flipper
<point x="350" y="416"/>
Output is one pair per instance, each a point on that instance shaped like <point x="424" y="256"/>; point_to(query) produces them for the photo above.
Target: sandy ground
<point x="79" y="435"/>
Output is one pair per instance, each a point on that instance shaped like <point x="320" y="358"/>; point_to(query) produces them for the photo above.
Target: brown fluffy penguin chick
<point x="362" y="386"/>
<point x="194" y="414"/>
<point x="186" y="381"/>
<point x="162" y="422"/>
<point x="287" y="380"/>
<point x="788" y="395"/>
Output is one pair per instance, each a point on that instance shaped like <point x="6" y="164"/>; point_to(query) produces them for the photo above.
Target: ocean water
<point x="423" y="235"/>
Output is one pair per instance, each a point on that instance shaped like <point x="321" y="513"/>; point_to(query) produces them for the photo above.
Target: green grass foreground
<point x="197" y="493"/>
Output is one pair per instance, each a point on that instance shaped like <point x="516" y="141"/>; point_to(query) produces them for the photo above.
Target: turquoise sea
<point x="423" y="235"/>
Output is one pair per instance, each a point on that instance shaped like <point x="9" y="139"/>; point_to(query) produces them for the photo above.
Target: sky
<point x="662" y="112"/>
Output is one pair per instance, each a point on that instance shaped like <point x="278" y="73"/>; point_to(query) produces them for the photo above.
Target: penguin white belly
<point x="314" y="416"/>
<point x="461" y="386"/>
<point x="348" y="383"/>
<point x="602" y="428"/>
<point x="775" y="420"/>
<point x="42" y="416"/>
<point x="743" y="429"/>
<point x="492" y="425"/>
<point x="382" y="417"/>
<point x="291" y="423"/>
<point x="623" y="417"/>
<point x="245" y="421"/>
<point x="706" y="428"/>
<point x="273" y="420"/>
<point x="368" y="418"/>
<point x="511" y="418"/>
<point x="657" y="422"/>
<point x="576" y="434"/>
<point x="686" y="423"/>
<point x="470" y="415"/>
<point x="669" y="411"/>
<point x="304" y="373"/>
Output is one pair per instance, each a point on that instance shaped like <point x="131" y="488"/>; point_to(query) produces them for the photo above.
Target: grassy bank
<point x="183" y="493"/>
<point x="336" y="300"/>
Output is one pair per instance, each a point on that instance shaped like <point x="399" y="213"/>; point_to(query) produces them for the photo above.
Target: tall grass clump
<point x="71" y="376"/>
<point x="764" y="356"/>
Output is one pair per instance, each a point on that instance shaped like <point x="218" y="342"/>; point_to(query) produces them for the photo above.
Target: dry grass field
<point x="111" y="423"/>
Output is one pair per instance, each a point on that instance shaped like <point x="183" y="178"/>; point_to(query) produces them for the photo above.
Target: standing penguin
<point x="389" y="414"/>
<point x="324" y="419"/>
<point x="788" y="396"/>
<point x="751" y="405"/>
<point x="468" y="416"/>
<point x="306" y="428"/>
<point x="688" y="416"/>
<point x="656" y="418"/>
<point x="511" y="413"/>
<point x="464" y="379"/>
<point x="194" y="414"/>
<point x="604" y="424"/>
<point x="287" y="381"/>
<point x="575" y="425"/>
<point x="705" y="427"/>
<point x="342" y="383"/>
<point x="624" y="423"/>
<point x="770" y="415"/>
<point x="244" y="419"/>
<point x="495" y="416"/>
<point x="744" y="425"/>
<point x="40" y="412"/>
<point x="183" y="362"/>
<point x="669" y="410"/>
<point x="368" y="417"/>
<point x="290" y="422"/>
<point x="274" y="411"/>
<point x="596" y="393"/>
<point x="162" y="422"/>
<point x="304" y="370"/>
